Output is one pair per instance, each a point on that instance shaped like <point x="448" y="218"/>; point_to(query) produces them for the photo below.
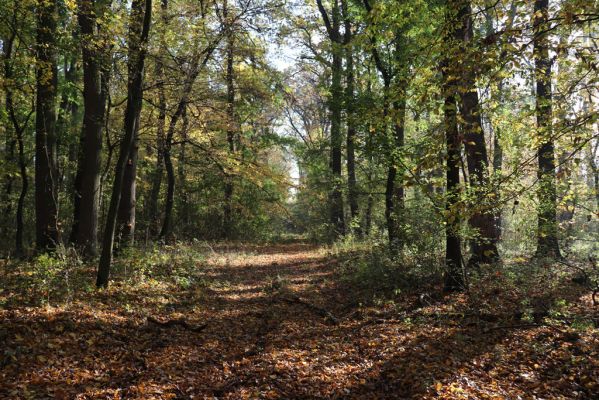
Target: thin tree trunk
<point x="167" y="224"/>
<point x="231" y="133"/>
<point x="194" y="70"/>
<point x="594" y="170"/>
<point x="139" y="28"/>
<point x="46" y="173"/>
<point x="184" y="200"/>
<point x="352" y="196"/>
<point x="154" y="219"/>
<point x="394" y="193"/>
<point x="20" y="225"/>
<point x="19" y="129"/>
<point x="547" y="243"/>
<point x="87" y="194"/>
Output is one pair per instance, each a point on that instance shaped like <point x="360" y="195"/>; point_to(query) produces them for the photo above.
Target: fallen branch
<point x="177" y="322"/>
<point x="327" y="315"/>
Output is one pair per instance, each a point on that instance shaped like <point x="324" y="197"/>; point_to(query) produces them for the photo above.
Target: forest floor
<point x="274" y="322"/>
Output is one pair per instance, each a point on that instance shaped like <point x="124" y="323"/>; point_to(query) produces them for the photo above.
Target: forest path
<point x="273" y="322"/>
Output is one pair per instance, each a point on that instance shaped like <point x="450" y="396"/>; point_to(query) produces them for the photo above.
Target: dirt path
<point x="267" y="335"/>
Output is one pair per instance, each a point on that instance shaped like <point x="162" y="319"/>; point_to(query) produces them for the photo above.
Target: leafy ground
<point x="275" y="322"/>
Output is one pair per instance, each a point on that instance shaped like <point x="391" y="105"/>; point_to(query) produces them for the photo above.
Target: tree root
<point x="293" y="299"/>
<point x="177" y="322"/>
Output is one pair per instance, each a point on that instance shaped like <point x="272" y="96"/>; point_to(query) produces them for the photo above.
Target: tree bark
<point x="231" y="131"/>
<point x="139" y="28"/>
<point x="337" y="219"/>
<point x="484" y="245"/>
<point x="126" y="212"/>
<point x="46" y="172"/>
<point x="394" y="192"/>
<point x="547" y="243"/>
<point x="19" y="129"/>
<point x="87" y="196"/>
<point x="454" y="274"/>
<point x="154" y="219"/>
<point x="352" y="196"/>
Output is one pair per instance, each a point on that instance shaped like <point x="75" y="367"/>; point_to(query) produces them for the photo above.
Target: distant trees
<point x="408" y="122"/>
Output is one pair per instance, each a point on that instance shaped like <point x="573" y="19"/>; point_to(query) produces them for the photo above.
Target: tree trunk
<point x="352" y="196"/>
<point x="484" y="245"/>
<point x="336" y="217"/>
<point x="139" y="28"/>
<point x="167" y="224"/>
<point x="547" y="243"/>
<point x="231" y="132"/>
<point x="126" y="213"/>
<point x="594" y="170"/>
<point x="20" y="226"/>
<point x="183" y="214"/>
<point x="394" y="192"/>
<point x="153" y="216"/>
<point x="454" y="274"/>
<point x="46" y="173"/>
<point x="19" y="129"/>
<point x="87" y="196"/>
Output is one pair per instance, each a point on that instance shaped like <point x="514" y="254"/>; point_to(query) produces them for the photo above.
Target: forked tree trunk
<point x="19" y="130"/>
<point x="139" y="28"/>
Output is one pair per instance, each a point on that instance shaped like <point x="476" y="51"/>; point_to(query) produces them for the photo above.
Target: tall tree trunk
<point x="184" y="214"/>
<point x="126" y="212"/>
<point x="153" y="216"/>
<point x="167" y="224"/>
<point x="547" y="243"/>
<point x="454" y="276"/>
<point x="352" y="195"/>
<point x="484" y="245"/>
<point x="139" y="28"/>
<point x="231" y="133"/>
<point x="592" y="154"/>
<point x="46" y="173"/>
<point x="336" y="218"/>
<point x="87" y="196"/>
<point x="20" y="226"/>
<point x="394" y="189"/>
